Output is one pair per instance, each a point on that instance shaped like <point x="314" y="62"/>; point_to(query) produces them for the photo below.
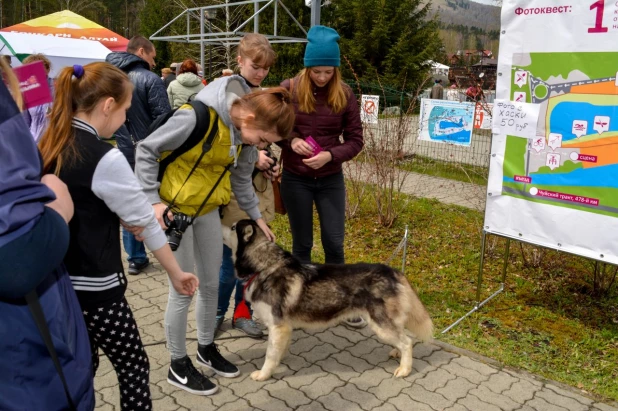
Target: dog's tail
<point x="419" y="322"/>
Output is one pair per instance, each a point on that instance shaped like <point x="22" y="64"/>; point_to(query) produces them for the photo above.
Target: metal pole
<point x="188" y="26"/>
<point x="506" y="259"/>
<point x="405" y="250"/>
<point x="480" y="276"/>
<point x="202" y="40"/>
<point x="315" y="12"/>
<point x="256" y="20"/>
<point x="276" y="12"/>
<point x="209" y="53"/>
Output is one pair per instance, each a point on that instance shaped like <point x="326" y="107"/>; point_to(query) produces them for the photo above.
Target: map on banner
<point x="556" y="185"/>
<point x="446" y="121"/>
<point x="573" y="160"/>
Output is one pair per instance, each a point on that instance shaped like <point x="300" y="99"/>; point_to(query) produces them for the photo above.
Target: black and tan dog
<point x="286" y="294"/>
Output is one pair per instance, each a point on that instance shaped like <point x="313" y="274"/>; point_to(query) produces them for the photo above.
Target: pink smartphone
<point x="314" y="146"/>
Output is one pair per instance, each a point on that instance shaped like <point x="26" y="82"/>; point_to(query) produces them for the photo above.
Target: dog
<point x="286" y="294"/>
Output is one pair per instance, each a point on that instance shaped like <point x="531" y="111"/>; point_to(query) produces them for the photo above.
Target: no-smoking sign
<point x="369" y="108"/>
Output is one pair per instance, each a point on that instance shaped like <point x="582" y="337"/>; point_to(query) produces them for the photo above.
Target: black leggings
<point x="328" y="193"/>
<point x="113" y="328"/>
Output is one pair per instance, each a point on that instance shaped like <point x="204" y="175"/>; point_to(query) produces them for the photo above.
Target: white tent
<point x="62" y="52"/>
<point x="438" y="68"/>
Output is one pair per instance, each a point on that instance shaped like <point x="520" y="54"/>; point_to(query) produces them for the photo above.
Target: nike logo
<point x="183" y="381"/>
<point x="203" y="360"/>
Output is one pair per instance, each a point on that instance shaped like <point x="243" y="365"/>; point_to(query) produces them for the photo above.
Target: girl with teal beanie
<point x="326" y="109"/>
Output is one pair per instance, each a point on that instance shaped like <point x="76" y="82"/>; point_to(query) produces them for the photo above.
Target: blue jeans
<point x="227" y="282"/>
<point x="135" y="249"/>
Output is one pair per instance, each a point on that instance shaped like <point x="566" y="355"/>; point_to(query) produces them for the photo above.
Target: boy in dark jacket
<point x="149" y="102"/>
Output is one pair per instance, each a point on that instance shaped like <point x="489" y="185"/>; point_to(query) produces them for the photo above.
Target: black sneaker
<point x="136" y="268"/>
<point x="184" y="375"/>
<point x="209" y="356"/>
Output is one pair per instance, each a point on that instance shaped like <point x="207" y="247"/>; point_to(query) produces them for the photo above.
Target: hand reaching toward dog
<point x="184" y="283"/>
<point x="269" y="234"/>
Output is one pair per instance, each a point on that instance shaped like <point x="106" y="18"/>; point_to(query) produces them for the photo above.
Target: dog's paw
<point x="394" y="353"/>
<point x="258" y="376"/>
<point x="402" y="372"/>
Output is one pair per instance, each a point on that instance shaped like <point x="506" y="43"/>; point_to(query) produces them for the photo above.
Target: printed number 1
<point x="598" y="24"/>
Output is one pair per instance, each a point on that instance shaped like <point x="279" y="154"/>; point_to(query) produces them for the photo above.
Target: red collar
<point x="249" y="282"/>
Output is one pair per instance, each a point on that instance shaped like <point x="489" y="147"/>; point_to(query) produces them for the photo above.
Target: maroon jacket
<point x="325" y="127"/>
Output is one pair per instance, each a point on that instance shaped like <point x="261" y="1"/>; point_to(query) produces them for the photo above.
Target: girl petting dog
<point x="189" y="193"/>
<point x="91" y="103"/>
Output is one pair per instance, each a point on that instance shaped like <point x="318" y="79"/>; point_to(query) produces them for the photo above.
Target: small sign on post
<point x="369" y="108"/>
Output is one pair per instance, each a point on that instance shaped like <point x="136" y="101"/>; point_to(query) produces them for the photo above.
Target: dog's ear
<point x="247" y="233"/>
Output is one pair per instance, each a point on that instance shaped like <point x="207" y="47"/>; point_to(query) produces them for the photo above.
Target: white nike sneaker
<point x="183" y="374"/>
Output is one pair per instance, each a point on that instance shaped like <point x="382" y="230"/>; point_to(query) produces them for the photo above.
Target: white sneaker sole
<point x="359" y="324"/>
<point x="218" y="372"/>
<point x="196" y="392"/>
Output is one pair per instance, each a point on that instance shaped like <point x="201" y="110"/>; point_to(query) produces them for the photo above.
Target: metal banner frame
<point x="478" y="303"/>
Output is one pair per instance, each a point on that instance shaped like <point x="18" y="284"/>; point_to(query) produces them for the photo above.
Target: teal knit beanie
<point x="322" y="48"/>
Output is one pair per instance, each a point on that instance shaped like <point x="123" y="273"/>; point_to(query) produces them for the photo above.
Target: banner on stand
<point x="554" y="180"/>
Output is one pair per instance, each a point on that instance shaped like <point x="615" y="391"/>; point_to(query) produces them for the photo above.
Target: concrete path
<point x="422" y="185"/>
<point x="337" y="369"/>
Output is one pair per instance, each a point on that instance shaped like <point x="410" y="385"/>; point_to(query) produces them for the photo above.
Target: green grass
<point x="545" y="322"/>
<point x="445" y="169"/>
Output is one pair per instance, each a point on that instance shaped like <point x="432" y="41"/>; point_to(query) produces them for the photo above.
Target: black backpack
<point x="202" y="117"/>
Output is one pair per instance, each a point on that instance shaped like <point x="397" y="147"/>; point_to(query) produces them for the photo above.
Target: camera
<point x="272" y="157"/>
<point x="175" y="228"/>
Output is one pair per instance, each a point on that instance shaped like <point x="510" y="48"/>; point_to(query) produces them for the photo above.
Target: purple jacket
<point x="325" y="127"/>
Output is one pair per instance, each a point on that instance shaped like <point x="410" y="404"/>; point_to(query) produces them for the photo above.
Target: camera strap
<point x="212" y="190"/>
<point x="39" y="318"/>
<point x="205" y="149"/>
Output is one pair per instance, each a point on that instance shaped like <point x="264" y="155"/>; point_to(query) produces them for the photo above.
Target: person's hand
<point x="184" y="283"/>
<point x="262" y="224"/>
<point x="63" y="204"/>
<point x="319" y="160"/>
<point x="264" y="162"/>
<point x="272" y="174"/>
<point x="159" y="209"/>
<point x="133" y="229"/>
<point x="301" y="147"/>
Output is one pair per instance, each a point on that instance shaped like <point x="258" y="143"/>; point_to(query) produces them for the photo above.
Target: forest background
<point x="390" y="40"/>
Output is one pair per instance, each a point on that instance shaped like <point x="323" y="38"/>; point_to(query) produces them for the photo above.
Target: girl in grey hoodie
<point x="245" y="121"/>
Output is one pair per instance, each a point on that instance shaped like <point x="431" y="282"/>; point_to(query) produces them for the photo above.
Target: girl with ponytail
<point x="91" y="103"/>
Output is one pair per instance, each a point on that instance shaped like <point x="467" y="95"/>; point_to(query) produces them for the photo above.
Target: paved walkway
<point x="337" y="369"/>
<point x="422" y="185"/>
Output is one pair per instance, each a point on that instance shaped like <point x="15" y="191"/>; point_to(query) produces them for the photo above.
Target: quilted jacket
<point x="326" y="128"/>
<point x="149" y="101"/>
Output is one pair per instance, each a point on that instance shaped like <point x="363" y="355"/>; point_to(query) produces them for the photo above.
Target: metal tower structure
<point x="231" y="36"/>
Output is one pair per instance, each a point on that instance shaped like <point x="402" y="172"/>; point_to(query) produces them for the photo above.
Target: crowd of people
<point x="473" y="93"/>
<point x="67" y="191"/>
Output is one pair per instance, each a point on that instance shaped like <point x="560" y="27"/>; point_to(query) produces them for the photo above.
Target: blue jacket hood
<point x="22" y="194"/>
